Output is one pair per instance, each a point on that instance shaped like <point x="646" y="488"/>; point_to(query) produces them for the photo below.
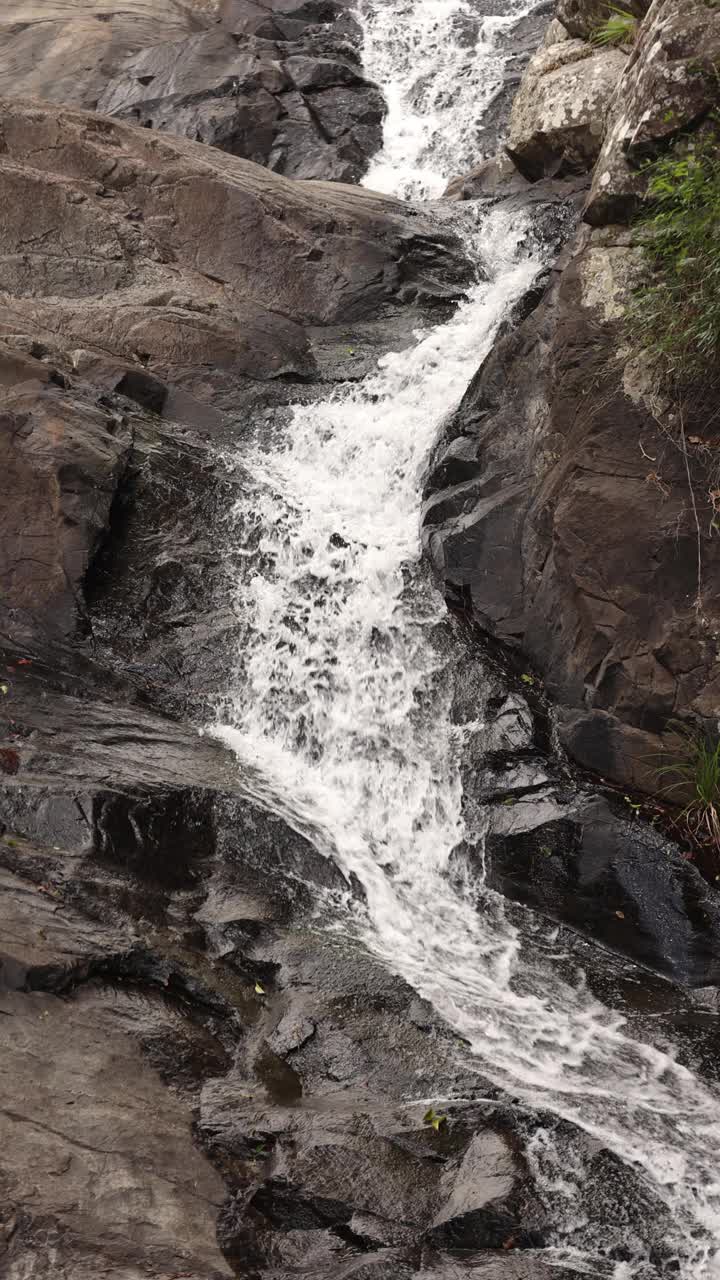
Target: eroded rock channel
<point x="319" y="956"/>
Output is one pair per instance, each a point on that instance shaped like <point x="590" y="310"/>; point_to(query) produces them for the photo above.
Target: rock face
<point x="140" y="284"/>
<point x="61" y="463"/>
<point x="65" y="50"/>
<point x="557" y="120"/>
<point x="561" y="505"/>
<point x="141" y="304"/>
<point x="576" y="854"/>
<point x="567" y="523"/>
<point x="280" y="86"/>
<point x="303" y="107"/>
<point x="669" y="86"/>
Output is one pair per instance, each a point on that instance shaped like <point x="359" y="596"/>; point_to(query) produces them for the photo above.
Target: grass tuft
<point x="620" y="27"/>
<point x="696" y="771"/>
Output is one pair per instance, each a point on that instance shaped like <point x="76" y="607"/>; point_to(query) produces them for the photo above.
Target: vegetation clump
<point x="695" y="770"/>
<point x="620" y="27"/>
<point x="676" y="311"/>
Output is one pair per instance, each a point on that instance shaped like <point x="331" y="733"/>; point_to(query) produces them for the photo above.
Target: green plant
<point x="695" y="770"/>
<point x="434" y="1118"/>
<point x="675" y="313"/>
<point x="619" y="27"/>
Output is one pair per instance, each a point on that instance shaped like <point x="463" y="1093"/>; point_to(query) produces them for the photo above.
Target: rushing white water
<point x="342" y="704"/>
<point x="439" y="66"/>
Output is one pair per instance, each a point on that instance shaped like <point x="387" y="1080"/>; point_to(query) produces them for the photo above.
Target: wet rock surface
<point x="301" y="107"/>
<point x="164" y="955"/>
<point x="202" y="1079"/>
<point x="280" y="85"/>
<point x="519" y="44"/>
<point x="559" y="508"/>
<point x="555" y="843"/>
<point x="139" y="280"/>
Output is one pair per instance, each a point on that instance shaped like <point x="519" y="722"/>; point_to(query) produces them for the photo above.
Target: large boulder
<point x="559" y="509"/>
<point x="193" y="266"/>
<point x="613" y="878"/>
<point x="557" y="119"/>
<point x="281" y="85"/>
<point x="669" y="86"/>
<point x="303" y="108"/>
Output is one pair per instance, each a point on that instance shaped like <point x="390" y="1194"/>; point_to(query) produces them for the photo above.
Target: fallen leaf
<point x="259" y="989"/>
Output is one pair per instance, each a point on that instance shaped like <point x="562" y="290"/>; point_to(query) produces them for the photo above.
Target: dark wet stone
<point x="617" y="880"/>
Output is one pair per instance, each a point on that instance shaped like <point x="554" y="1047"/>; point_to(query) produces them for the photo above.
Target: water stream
<point x="342" y="697"/>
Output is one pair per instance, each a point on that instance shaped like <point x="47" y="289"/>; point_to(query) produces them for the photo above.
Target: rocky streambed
<point x="264" y="1011"/>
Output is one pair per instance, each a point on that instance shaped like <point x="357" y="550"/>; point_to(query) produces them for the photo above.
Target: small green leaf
<point x="527" y="678"/>
<point x="434" y="1118"/>
<point x="3" y="688"/>
<point x="259" y="989"/>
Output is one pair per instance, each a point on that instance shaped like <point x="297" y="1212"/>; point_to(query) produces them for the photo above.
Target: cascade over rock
<point x="265" y="1013"/>
<point x="143" y="302"/>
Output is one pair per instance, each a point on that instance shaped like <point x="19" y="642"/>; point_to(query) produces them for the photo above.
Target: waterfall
<point x="341" y="694"/>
